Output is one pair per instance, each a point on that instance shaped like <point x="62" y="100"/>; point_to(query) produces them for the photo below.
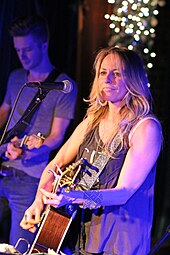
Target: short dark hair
<point x="35" y="25"/>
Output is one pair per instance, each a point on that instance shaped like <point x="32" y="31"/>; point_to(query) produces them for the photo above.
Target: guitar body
<point x="53" y="229"/>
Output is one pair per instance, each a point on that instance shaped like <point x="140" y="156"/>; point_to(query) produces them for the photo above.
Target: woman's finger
<point x="48" y="194"/>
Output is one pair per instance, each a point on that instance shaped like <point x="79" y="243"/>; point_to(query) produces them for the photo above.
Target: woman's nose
<point x="110" y="78"/>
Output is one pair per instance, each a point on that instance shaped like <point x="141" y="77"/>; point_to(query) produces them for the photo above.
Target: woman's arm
<point x="144" y="150"/>
<point x="65" y="155"/>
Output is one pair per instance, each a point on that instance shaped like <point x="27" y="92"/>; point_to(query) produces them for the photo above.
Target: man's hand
<point x="13" y="151"/>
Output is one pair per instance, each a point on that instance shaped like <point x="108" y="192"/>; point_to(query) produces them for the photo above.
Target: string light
<point x="132" y="25"/>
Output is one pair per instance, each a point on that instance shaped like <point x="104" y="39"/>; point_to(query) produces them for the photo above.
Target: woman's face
<point x="111" y="82"/>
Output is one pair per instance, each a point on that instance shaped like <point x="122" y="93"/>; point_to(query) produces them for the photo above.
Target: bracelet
<point x="92" y="199"/>
<point x="90" y="204"/>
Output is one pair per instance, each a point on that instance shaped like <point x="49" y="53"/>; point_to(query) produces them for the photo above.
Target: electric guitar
<point x="55" y="222"/>
<point x="29" y="142"/>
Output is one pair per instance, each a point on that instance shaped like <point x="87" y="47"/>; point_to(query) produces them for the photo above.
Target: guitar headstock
<point x="70" y="178"/>
<point x="32" y="141"/>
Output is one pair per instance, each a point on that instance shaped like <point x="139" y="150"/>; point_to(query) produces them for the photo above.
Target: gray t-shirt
<point x="56" y="104"/>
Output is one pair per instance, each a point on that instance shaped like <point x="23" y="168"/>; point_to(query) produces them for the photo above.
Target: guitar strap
<point x="25" y="120"/>
<point x="91" y="176"/>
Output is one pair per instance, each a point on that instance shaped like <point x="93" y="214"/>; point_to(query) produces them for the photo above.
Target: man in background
<point x="20" y="174"/>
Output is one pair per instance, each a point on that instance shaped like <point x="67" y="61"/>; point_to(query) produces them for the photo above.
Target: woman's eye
<point x="116" y="74"/>
<point x="102" y="73"/>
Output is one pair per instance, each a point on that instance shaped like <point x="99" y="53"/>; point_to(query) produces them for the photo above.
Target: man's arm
<point x="4" y="112"/>
<point x="53" y="141"/>
<point x="58" y="130"/>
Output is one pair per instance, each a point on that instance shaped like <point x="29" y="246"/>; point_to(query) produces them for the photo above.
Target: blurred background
<point x="79" y="28"/>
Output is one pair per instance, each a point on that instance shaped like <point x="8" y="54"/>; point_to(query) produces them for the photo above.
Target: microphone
<point x="64" y="86"/>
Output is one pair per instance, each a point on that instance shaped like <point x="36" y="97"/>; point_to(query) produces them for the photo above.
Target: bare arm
<point x="55" y="138"/>
<point x="66" y="154"/>
<point x="4" y="112"/>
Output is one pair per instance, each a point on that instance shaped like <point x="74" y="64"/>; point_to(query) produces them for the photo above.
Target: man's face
<point x="29" y="51"/>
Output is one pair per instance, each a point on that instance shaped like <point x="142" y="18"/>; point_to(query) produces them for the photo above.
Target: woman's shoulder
<point x="148" y="122"/>
<point x="82" y="126"/>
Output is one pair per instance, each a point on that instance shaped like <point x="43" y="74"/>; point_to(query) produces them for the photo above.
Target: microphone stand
<point x="33" y="105"/>
<point x="160" y="242"/>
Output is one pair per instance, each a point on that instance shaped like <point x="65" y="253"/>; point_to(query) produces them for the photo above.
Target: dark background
<point x="78" y="30"/>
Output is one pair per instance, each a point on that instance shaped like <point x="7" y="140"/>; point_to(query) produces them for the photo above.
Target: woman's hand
<point x="56" y="200"/>
<point x="32" y="216"/>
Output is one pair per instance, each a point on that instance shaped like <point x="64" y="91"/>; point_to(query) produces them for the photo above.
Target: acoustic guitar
<point x="55" y="222"/>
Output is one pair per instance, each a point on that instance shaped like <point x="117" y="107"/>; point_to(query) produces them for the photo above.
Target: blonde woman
<point x="120" y="126"/>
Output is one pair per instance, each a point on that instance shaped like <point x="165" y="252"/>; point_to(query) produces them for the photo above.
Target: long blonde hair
<point x="137" y="101"/>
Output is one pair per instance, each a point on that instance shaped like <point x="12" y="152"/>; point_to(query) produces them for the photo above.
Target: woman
<point x="120" y="126"/>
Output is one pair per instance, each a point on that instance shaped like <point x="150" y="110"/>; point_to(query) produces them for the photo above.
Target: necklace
<point x="106" y="130"/>
<point x="105" y="141"/>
